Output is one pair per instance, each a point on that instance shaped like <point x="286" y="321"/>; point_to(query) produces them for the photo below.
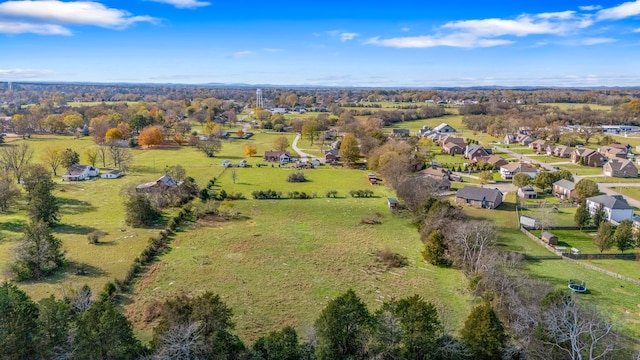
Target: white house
<point x="509" y="170"/>
<point x="80" y="172"/>
<point x="111" y="174"/>
<point x="615" y="207"/>
<point x="444" y="128"/>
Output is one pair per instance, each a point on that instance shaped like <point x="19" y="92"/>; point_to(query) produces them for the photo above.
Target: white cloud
<point x="562" y="15"/>
<point x="405" y="28"/>
<point x="53" y="13"/>
<point x="590" y="7"/>
<point x="342" y="35"/>
<point x="184" y="4"/>
<point x="636" y="30"/>
<point x="243" y="53"/>
<point x="622" y="11"/>
<point x="522" y="26"/>
<point x="8" y="27"/>
<point x="457" y="40"/>
<point x="23" y="73"/>
<point x="272" y="50"/>
<point x="597" y="41"/>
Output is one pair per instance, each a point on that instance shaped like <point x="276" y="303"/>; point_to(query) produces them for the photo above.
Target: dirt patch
<point x="242" y="246"/>
<point x="148" y="276"/>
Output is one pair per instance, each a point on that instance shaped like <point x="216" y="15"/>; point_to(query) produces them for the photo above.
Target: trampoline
<point x="577" y="286"/>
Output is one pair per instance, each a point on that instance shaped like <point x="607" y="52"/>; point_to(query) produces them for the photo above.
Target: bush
<point x="296" y="177"/>
<point x="266" y="194"/>
<point x="94" y="236"/>
<point x="391" y="259"/>
<point x="361" y="193"/>
<point x="299" y="195"/>
<point x="332" y="193"/>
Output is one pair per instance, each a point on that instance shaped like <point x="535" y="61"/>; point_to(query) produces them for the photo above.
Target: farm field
<point x="283" y="263"/>
<point x="576" y="106"/>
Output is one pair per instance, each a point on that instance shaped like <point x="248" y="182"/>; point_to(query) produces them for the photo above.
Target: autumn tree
<point x="112" y="135"/>
<point x="53" y="157"/>
<point x="150" y="135"/>
<point x="604" y="238"/>
<point x="250" y="150"/>
<point x="179" y="139"/>
<point x="349" y="150"/>
<point x="15" y="158"/>
<point x="485" y="177"/>
<point x="623" y="236"/>
<point x="125" y="130"/>
<point x="92" y="155"/>
<point x="280" y="143"/>
<point x="310" y="130"/>
<point x="73" y="120"/>
<point x="39" y="254"/>
<point x="99" y="126"/>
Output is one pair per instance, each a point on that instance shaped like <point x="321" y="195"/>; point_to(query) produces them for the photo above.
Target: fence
<point x="546" y="206"/>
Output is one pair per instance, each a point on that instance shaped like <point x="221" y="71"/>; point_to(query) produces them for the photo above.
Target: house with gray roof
<point x="444" y="128"/>
<point x="615" y="207"/>
<point x="564" y="189"/>
<point x="475" y="150"/>
<point x="623" y="168"/>
<point x="479" y="197"/>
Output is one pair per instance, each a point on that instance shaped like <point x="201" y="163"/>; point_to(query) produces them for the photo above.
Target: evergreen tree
<point x="18" y="323"/>
<point x="342" y="328"/>
<point x="139" y="211"/>
<point x="40" y="253"/>
<point x="623" y="236"/>
<point x="43" y="206"/>
<point x="435" y="249"/>
<point x="483" y="333"/>
<point x="54" y="321"/>
<point x="279" y="345"/>
<point x="102" y="332"/>
<point x="582" y="216"/>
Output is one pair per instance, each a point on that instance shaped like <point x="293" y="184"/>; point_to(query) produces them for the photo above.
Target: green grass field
<point x="288" y="258"/>
<point x="581" y="240"/>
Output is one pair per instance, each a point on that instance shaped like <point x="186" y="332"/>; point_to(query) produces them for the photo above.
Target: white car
<point x="242" y="163"/>
<point x="225" y="163"/>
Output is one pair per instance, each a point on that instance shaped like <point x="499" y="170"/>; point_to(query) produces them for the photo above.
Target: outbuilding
<point x="549" y="238"/>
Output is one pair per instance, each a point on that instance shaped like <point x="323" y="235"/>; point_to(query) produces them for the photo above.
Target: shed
<point x="392" y="203"/>
<point x="549" y="238"/>
<point x="529" y="222"/>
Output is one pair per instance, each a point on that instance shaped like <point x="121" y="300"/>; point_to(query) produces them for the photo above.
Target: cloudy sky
<point x="346" y="43"/>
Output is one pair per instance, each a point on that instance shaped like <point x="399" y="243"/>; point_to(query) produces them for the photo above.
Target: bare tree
<point x="577" y="331"/>
<point x="92" y="155"/>
<point x="472" y="241"/>
<point x="15" y="158"/>
<point x="103" y="151"/>
<point x="120" y="156"/>
<point x="181" y="341"/>
<point x="54" y="158"/>
<point x="9" y="192"/>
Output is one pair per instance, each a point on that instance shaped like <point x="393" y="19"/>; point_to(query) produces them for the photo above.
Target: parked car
<point x="242" y="163"/>
<point x="225" y="163"/>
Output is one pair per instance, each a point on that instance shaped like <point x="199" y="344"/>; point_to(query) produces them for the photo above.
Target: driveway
<point x="304" y="157"/>
<point x="524" y="158"/>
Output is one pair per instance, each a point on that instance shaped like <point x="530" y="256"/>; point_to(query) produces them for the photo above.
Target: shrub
<point x="94" y="236"/>
<point x="299" y="195"/>
<point x="391" y="259"/>
<point x="332" y="193"/>
<point x="266" y="194"/>
<point x="361" y="193"/>
<point x="296" y="177"/>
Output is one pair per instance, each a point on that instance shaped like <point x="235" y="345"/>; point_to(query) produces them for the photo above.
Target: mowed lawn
<point x="630" y="191"/>
<point x="282" y="263"/>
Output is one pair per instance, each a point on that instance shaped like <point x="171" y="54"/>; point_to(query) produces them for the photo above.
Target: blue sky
<point x="349" y="43"/>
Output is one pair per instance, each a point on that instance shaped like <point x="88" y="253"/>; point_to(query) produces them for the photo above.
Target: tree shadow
<point x="74" y="229"/>
<point x="74" y="206"/>
<point x="16" y="226"/>
<point x="84" y="269"/>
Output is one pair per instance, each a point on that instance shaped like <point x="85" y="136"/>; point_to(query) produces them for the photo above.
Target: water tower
<point x="259" y="101"/>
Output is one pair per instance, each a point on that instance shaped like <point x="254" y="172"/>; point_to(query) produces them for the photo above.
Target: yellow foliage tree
<point x="250" y="150"/>
<point x="113" y="134"/>
<point x="179" y="139"/>
<point x="149" y="136"/>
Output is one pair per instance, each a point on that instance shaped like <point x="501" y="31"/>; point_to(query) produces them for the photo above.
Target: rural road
<point x="303" y="155"/>
<point x="525" y="158"/>
<point x="607" y="189"/>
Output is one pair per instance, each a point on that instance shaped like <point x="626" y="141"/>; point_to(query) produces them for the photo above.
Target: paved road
<point x="525" y="158"/>
<point x="607" y="189"/>
<point x="304" y="157"/>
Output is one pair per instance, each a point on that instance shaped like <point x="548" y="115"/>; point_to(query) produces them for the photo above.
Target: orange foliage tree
<point x="113" y="134"/>
<point x="250" y="150"/>
<point x="149" y="136"/>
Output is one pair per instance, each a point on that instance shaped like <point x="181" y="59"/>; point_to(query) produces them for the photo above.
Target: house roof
<point x="619" y="146"/>
<point x="565" y="184"/>
<point x="491" y="159"/>
<point x="76" y="170"/>
<point x="563" y="149"/>
<point x="613" y="150"/>
<point x="400" y="131"/>
<point x="479" y="194"/>
<point x="114" y="172"/>
<point x="470" y="149"/>
<point x="164" y="179"/>
<point x="547" y="235"/>
<point x="519" y="167"/>
<point x="611" y="202"/>
<point x="617" y="164"/>
<point x="527" y="188"/>
<point x="442" y="126"/>
<point x="453" y="139"/>
<point x="450" y="145"/>
<point x="439" y="172"/>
